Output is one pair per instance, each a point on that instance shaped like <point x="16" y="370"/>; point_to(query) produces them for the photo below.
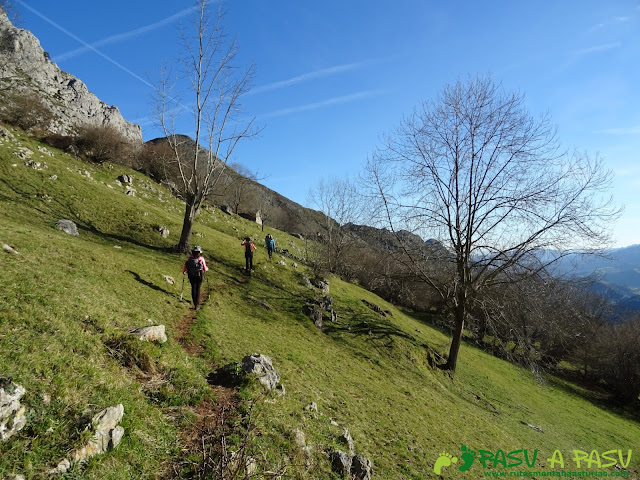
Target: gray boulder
<point x="322" y="284"/>
<point x="340" y="462"/>
<point x="67" y="226"/>
<point x="164" y="231"/>
<point x="154" y="333"/>
<point x="125" y="179"/>
<point x="361" y="468"/>
<point x="226" y="209"/>
<point x="261" y="366"/>
<point x="12" y="417"/>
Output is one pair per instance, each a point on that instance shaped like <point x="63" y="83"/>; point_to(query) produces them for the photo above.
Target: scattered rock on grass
<point x="67" y="226"/>
<point x="169" y="279"/>
<point x="164" y="231"/>
<point x="4" y="133"/>
<point x="361" y="468"/>
<point x="261" y="366"/>
<point x="106" y="436"/>
<point x="340" y="462"/>
<point x="9" y="249"/>
<point x="24" y="153"/>
<point x="154" y="333"/>
<point x="321" y="283"/>
<point x="374" y="307"/>
<point x="12" y="417"/>
<point x="45" y="151"/>
<point x="347" y="440"/>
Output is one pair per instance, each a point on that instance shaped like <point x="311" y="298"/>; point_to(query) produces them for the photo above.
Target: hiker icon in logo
<point x="444" y="460"/>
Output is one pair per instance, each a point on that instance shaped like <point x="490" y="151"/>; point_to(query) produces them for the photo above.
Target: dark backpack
<point x="247" y="249"/>
<point x="194" y="267"/>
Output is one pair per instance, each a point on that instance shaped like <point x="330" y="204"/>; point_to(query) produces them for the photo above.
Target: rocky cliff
<point x="25" y="67"/>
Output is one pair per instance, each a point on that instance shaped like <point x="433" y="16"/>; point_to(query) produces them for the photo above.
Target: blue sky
<point x="334" y="76"/>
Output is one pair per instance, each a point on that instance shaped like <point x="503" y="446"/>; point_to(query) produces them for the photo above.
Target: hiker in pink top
<point x="195" y="267"/>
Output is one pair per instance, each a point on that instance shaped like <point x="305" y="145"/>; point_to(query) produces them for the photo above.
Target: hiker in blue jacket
<point x="195" y="267"/>
<point x="270" y="244"/>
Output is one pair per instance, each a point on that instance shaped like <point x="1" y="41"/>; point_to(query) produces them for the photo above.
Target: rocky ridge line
<point x="26" y="68"/>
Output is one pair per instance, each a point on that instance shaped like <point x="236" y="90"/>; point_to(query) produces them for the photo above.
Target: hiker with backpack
<point x="195" y="267"/>
<point x="249" y="247"/>
<point x="270" y="244"/>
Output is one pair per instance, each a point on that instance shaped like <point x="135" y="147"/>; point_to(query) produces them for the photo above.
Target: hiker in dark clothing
<point x="195" y="267"/>
<point x="270" y="244"/>
<point x="249" y="247"/>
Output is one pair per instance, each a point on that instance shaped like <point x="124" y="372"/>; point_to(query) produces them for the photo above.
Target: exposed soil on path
<point x="210" y="415"/>
<point x="183" y="329"/>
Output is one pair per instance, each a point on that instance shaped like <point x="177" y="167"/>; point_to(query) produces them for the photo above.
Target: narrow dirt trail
<point x="210" y="414"/>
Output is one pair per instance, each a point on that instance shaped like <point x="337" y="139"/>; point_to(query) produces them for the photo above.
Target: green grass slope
<point x="67" y="305"/>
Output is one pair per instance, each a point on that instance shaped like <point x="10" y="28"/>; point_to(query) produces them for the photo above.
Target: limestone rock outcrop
<point x="155" y="333"/>
<point x="27" y="67"/>
<point x="106" y="436"/>
<point x="261" y="366"/>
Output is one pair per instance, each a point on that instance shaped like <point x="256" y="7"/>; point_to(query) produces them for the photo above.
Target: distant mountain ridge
<point x="616" y="275"/>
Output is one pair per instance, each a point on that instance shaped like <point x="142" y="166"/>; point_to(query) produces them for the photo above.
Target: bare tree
<point x="475" y="170"/>
<point x="215" y="86"/>
<point x="240" y="187"/>
<point x="339" y="201"/>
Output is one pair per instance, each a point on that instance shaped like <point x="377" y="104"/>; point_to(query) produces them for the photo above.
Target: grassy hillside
<point x="67" y="304"/>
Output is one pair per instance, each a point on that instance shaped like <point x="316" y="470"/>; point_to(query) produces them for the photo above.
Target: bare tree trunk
<point x="456" y="340"/>
<point x="187" y="225"/>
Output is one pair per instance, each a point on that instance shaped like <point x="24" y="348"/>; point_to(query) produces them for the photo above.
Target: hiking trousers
<point x="196" y="283"/>
<point x="248" y="258"/>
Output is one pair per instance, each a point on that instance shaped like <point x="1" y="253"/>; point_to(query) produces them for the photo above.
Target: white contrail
<point x="324" y="103"/>
<point x="87" y="45"/>
<point x="325" y="72"/>
<point x="598" y="48"/>
<point x="123" y="36"/>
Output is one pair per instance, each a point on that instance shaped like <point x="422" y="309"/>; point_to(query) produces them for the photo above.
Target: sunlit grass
<point x="68" y="303"/>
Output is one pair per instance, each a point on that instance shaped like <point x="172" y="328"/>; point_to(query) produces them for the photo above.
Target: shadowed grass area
<point x="67" y="305"/>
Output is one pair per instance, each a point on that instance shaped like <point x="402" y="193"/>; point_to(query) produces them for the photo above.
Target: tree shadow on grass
<point x="600" y="399"/>
<point x="370" y="324"/>
<point x="150" y="284"/>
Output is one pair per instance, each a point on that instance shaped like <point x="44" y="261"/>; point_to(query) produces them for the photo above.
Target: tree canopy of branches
<point x="212" y="99"/>
<point x="339" y="201"/>
<point x="238" y="189"/>
<point x="476" y="171"/>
